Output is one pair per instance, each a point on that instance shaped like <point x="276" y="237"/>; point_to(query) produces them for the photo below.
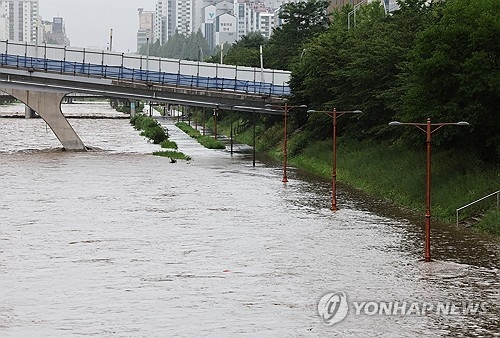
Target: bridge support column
<point x="48" y="106"/>
<point x="28" y="112"/>
<point x="132" y="108"/>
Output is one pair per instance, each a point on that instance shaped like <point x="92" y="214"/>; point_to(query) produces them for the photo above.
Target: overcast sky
<point x="88" y="22"/>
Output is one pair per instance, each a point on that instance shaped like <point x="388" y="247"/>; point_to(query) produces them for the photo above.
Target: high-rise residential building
<point x="266" y="24"/>
<point x="146" y="27"/>
<point x="188" y="16"/>
<point x="183" y="10"/>
<point x="4" y="22"/>
<point x="255" y="17"/>
<point x="19" y="20"/>
<point x="161" y="22"/>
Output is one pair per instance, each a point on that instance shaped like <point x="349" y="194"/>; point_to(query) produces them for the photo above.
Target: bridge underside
<point x="44" y="91"/>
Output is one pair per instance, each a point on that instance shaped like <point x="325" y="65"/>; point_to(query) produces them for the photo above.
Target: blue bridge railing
<point x="180" y="73"/>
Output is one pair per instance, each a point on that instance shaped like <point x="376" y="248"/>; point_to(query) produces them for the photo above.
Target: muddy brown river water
<point x="116" y="242"/>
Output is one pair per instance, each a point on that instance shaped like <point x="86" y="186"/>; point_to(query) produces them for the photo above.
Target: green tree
<point x="454" y="74"/>
<point x="302" y="21"/>
<point x="246" y="52"/>
<point x="357" y="68"/>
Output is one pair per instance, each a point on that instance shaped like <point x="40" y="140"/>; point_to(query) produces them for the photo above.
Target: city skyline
<point x="88" y="27"/>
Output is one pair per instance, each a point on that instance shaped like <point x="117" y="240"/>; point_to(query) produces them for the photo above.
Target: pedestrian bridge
<point x="42" y="75"/>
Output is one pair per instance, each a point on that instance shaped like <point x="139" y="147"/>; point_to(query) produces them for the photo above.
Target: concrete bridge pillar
<point x="48" y="106"/>
<point x="132" y="108"/>
<point x="28" y="112"/>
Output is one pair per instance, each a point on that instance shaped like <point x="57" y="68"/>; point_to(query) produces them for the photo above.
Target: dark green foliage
<point x="150" y="128"/>
<point x="439" y="60"/>
<point x="303" y="20"/>
<point x="246" y="52"/>
<point x="7" y="100"/>
<point x="193" y="47"/>
<point x="453" y="74"/>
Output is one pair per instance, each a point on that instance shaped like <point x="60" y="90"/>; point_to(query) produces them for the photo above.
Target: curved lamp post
<point x="428" y="128"/>
<point x="285" y="109"/>
<point x="334" y="114"/>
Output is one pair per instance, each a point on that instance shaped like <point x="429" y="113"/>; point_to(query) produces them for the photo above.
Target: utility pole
<point x="111" y="40"/>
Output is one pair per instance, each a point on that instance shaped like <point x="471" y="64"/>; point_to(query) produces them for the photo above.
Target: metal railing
<point x="477" y="201"/>
<point x="182" y="73"/>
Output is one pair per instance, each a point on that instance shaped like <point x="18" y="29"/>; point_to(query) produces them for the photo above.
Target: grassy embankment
<point x="151" y="129"/>
<point x="392" y="171"/>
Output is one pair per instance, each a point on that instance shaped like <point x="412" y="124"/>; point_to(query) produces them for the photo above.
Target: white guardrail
<point x="477" y="201"/>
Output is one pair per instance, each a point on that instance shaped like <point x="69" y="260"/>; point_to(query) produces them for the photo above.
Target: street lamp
<point x="334" y="114"/>
<point x="285" y="109"/>
<point x="428" y="128"/>
<point x="216" y="114"/>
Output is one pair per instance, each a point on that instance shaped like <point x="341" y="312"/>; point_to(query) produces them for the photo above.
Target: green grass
<point x="490" y="223"/>
<point x="206" y="141"/>
<point x="177" y="155"/>
<point x="398" y="173"/>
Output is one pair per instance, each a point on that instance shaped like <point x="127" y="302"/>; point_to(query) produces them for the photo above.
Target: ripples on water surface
<point x="119" y="242"/>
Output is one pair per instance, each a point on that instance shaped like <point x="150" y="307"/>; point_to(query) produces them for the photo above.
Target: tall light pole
<point x="334" y="114"/>
<point x="147" y="52"/>
<point x="216" y="113"/>
<point x="428" y="128"/>
<point x="285" y="109"/>
<point x="111" y="40"/>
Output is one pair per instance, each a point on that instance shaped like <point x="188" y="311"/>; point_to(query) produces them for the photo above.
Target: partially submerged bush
<point x="150" y="128"/>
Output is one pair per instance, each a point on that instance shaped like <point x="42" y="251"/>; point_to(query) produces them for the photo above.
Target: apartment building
<point x="19" y="20"/>
<point x="146" y="27"/>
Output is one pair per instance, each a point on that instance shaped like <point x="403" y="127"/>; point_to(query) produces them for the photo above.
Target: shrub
<point x="151" y="128"/>
<point x="169" y="144"/>
<point x="173" y="155"/>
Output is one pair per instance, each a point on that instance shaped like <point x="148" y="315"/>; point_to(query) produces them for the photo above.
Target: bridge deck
<point x="135" y="68"/>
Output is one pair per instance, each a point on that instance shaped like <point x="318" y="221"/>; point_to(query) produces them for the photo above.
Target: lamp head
<point x="395" y="123"/>
<point x="311" y="111"/>
<point x="462" y="123"/>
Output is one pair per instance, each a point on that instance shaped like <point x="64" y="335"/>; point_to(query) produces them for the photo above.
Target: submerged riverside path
<point x="118" y="242"/>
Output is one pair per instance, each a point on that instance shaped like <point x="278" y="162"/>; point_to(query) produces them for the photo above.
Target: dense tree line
<point x="193" y="47"/>
<point x="429" y="59"/>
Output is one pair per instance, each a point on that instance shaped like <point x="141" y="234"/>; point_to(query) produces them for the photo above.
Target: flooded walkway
<point x="117" y="242"/>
